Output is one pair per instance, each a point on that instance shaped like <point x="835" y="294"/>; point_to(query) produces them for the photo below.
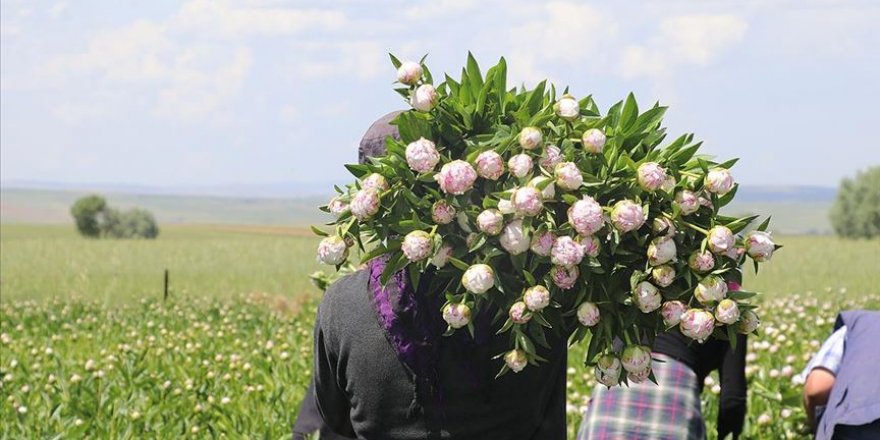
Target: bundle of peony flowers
<point x="553" y="217"/>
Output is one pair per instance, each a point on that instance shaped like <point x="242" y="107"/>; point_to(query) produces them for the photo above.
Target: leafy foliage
<point x="856" y="211"/>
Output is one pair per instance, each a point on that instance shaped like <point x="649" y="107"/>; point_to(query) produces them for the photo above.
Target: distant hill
<point x="795" y="209"/>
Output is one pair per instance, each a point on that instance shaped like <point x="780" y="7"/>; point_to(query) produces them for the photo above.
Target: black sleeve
<point x="330" y="397"/>
<point x="732" y="412"/>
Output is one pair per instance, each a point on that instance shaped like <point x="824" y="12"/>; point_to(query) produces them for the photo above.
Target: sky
<point x="203" y="92"/>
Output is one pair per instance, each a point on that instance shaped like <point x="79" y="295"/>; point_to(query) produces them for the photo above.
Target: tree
<point x="88" y="212"/>
<point x="856" y="211"/>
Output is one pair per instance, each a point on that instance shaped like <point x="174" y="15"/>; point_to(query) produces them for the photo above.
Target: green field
<point x="89" y="349"/>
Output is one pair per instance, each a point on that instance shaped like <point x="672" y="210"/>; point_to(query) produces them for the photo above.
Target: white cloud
<point x="438" y="9"/>
<point x="57" y="9"/>
<point x="361" y="59"/>
<point x="214" y="17"/>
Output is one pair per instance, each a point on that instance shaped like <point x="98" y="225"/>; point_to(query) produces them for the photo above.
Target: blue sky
<point x="219" y="92"/>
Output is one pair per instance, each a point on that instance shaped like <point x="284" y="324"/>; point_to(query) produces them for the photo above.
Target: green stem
<point x="696" y="228"/>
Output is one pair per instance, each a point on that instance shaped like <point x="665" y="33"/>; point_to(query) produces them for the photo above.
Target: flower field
<point x="235" y="365"/>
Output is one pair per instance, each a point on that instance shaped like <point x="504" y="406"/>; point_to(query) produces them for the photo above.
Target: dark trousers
<point x="871" y="431"/>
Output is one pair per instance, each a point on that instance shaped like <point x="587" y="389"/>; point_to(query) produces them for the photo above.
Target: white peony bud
<point x="365" y="204"/>
<point x="478" y="278"/>
<point x="332" y="250"/>
<point x="608" y="370"/>
<point x="417" y="245"/>
<point x="422" y="155"/>
<point x="727" y="311"/>
<point x="748" y="322"/>
<point x="564" y="277"/>
<point x="697" y="324"/>
<point x="661" y="251"/>
<point x="519" y="313"/>
<point x="375" y="181"/>
<point x="718" y="181"/>
<point x="337" y="206"/>
<point x="516" y="360"/>
<point x="663" y="275"/>
<point x="651" y="176"/>
<point x="701" y="262"/>
<point x="490" y="222"/>
<point x="594" y="140"/>
<point x="586" y="216"/>
<point x="409" y="73"/>
<point x="457" y="315"/>
<point x="490" y="165"/>
<point x="542" y="243"/>
<point x="530" y="138"/>
<point x="646" y="297"/>
<point x="442" y="212"/>
<point x="672" y="311"/>
<point x="566" y="252"/>
<point x="588" y="314"/>
<point x="552" y="156"/>
<point x="514" y="239"/>
<point x="627" y="216"/>
<point x="687" y="202"/>
<point x="710" y="289"/>
<point x="636" y="358"/>
<point x="663" y="226"/>
<point x="760" y="246"/>
<point x="720" y="240"/>
<point x="528" y="201"/>
<point x="456" y="177"/>
<point x="520" y="165"/>
<point x="424" y="98"/>
<point x="568" y="176"/>
<point x="536" y="298"/>
<point x="506" y="206"/>
<point x="567" y="108"/>
<point x="442" y="256"/>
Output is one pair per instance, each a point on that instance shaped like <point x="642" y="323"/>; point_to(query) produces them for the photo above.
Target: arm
<point x="817" y="388"/>
<point x="732" y="373"/>
<point x="331" y="399"/>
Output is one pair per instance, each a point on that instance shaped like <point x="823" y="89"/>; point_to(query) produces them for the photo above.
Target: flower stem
<point x="696" y="228"/>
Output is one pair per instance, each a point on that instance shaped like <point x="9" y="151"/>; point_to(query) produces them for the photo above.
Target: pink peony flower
<point x="661" y="251"/>
<point x="552" y="156"/>
<point x="627" y="216"/>
<point x="530" y="138"/>
<point x="697" y="324"/>
<point x="651" y="176"/>
<point x="490" y="165"/>
<point x="594" y="140"/>
<point x="409" y="73"/>
<point x="519" y="313"/>
<point x="748" y="322"/>
<point x="417" y="245"/>
<point x="585" y="216"/>
<point x="490" y="222"/>
<point x="718" y="181"/>
<point x="442" y="256"/>
<point x="588" y="314"/>
<point x="735" y="253"/>
<point x="568" y="176"/>
<point x="636" y="358"/>
<point x="478" y="278"/>
<point x="375" y="181"/>
<point x="514" y="239"/>
<point x="663" y="275"/>
<point x="457" y="315"/>
<point x="516" y="360"/>
<point x="663" y="226"/>
<point x="564" y="277"/>
<point x="672" y="311"/>
<point x="422" y="155"/>
<point x="760" y="246"/>
<point x="727" y="311"/>
<point x="567" y="108"/>
<point x="608" y="370"/>
<point x="536" y="298"/>
<point x="332" y="250"/>
<point x="365" y="204"/>
<point x="424" y="98"/>
<point x="456" y="177"/>
<point x="442" y="212"/>
<point x="542" y="243"/>
<point x="720" y="239"/>
<point x="646" y="297"/>
<point x="520" y="165"/>
<point x="566" y="252"/>
<point x="687" y="202"/>
<point x="337" y="206"/>
<point x="710" y="289"/>
<point x="528" y="201"/>
<point x="701" y="262"/>
<point x="591" y="245"/>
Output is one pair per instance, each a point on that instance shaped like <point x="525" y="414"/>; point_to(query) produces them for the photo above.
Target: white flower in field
<point x="787" y="371"/>
<point x="490" y="222"/>
<point x="607" y="370"/>
<point x="514" y="239"/>
<point x="718" y="181"/>
<point x="774" y="373"/>
<point x="422" y="155"/>
<point x="516" y="360"/>
<point x="672" y="311"/>
<point x="530" y="138"/>
<point x="567" y="108"/>
<point x="720" y="239"/>
<point x="661" y="251"/>
<point x="566" y="252"/>
<point x="759" y="246"/>
<point x="716" y="389"/>
<point x="651" y="176"/>
<point x="687" y="202"/>
<point x="764" y="419"/>
<point x="519" y="313"/>
<point x="646" y="297"/>
<point x="727" y="311"/>
<point x="5" y="338"/>
<point x="75" y="378"/>
<point x="22" y="409"/>
<point x="478" y="278"/>
<point x="701" y="262"/>
<point x="710" y="289"/>
<point x="594" y="140"/>
<point x="135" y="415"/>
<point x="457" y="315"/>
<point x="520" y="165"/>
<point x="225" y="400"/>
<point x="270" y="345"/>
<point x="785" y="413"/>
<point x="284" y="355"/>
<point x="78" y="422"/>
<point x="365" y="204"/>
<point x="424" y="98"/>
<point x="663" y="275"/>
<point x="409" y="73"/>
<point x="194" y="429"/>
<point x="588" y="314"/>
<point x="456" y="177"/>
<point x="417" y="246"/>
<point x="627" y="216"/>
<point x="585" y="216"/>
<point x="51" y="378"/>
<point x="536" y="298"/>
<point x="13" y="363"/>
<point x="490" y="165"/>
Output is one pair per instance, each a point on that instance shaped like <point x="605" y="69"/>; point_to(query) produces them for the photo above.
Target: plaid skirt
<point x="670" y="410"/>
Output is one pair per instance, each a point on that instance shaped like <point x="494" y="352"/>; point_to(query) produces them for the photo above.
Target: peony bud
<point x="409" y="73"/>
<point x="490" y="222"/>
<point x="506" y="207"/>
<point x="608" y="370"/>
<point x="424" y="98"/>
<point x="668" y="185"/>
<point x="760" y="246"/>
<point x="516" y="360"/>
<point x="490" y="165"/>
<point x="585" y="216"/>
<point x="519" y="313"/>
<point x="520" y="165"/>
<point x="651" y="176"/>
<point x="591" y="245"/>
<point x="365" y="204"/>
<point x="478" y="278"/>
<point x="514" y="239"/>
<point x="718" y="181"/>
<point x="552" y="156"/>
<point x="710" y="289"/>
<point x="727" y="311"/>
<point x="542" y="243"/>
<point x="636" y="358"/>
<point x="663" y="275"/>
<point x="663" y="226"/>
<point x="564" y="277"/>
<point x="661" y="251"/>
<point x="567" y="108"/>
<point x="456" y="177"/>
<point x="442" y="212"/>
<point x="588" y="314"/>
<point x="594" y="140"/>
<point x="337" y="206"/>
<point x="457" y="315"/>
<point x="627" y="216"/>
<point x="528" y="201"/>
<point x="720" y="239"/>
<point x="530" y="138"/>
<point x="549" y="191"/>
<point x="568" y="176"/>
<point x="697" y="324"/>
<point x="375" y="181"/>
<point x="748" y="322"/>
<point x="687" y="202"/>
<point x="536" y="298"/>
<point x="646" y="297"/>
<point x="417" y="245"/>
<point x="422" y="155"/>
<point x="672" y="311"/>
<point x="638" y="376"/>
<point x="701" y="262"/>
<point x="442" y="256"/>
<point x="566" y="252"/>
<point x="332" y="250"/>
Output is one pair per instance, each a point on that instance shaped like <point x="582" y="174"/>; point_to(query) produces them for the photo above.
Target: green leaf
<point x="460" y="265"/>
<point x="394" y="61"/>
<point x="763" y="226"/>
<point x="629" y="112"/>
<point x="319" y="232"/>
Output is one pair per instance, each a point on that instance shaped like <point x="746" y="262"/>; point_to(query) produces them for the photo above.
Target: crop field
<point x="88" y="349"/>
